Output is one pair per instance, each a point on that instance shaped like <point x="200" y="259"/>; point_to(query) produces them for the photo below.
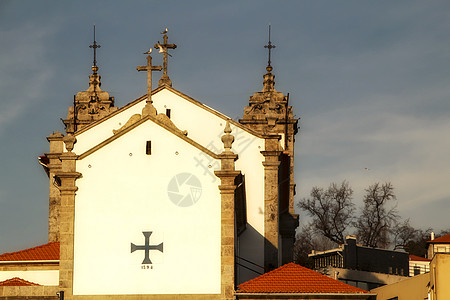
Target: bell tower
<point x="270" y="114"/>
<point x="92" y="104"/>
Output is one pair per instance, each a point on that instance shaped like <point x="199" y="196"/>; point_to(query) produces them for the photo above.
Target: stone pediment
<point x="137" y="120"/>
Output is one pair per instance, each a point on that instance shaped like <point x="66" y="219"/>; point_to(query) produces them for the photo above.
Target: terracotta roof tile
<point x="293" y="278"/>
<point x="16" y="281"/>
<point x="417" y="258"/>
<point x="48" y="251"/>
<point x="445" y="239"/>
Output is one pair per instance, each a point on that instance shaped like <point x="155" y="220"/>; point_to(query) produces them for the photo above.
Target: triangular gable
<point x="182" y="95"/>
<point x="202" y="122"/>
<point x="158" y="121"/>
<point x="48" y="251"/>
<point x="293" y="278"/>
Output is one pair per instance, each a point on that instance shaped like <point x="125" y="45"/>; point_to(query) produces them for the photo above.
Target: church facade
<point x="167" y="197"/>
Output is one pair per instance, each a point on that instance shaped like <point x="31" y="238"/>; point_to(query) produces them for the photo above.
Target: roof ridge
<point x="294" y="278"/>
<point x="50" y="249"/>
<point x="15" y="281"/>
<point x="442" y="239"/>
<point x="267" y="274"/>
<point x="28" y="249"/>
<point x="417" y="257"/>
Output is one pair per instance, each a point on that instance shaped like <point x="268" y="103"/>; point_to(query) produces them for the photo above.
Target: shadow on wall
<point x="249" y="260"/>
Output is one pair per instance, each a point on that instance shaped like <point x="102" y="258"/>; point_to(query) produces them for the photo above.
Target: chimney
<point x="432" y="235"/>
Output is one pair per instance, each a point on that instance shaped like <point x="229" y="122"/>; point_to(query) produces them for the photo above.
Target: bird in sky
<point x="149" y="51"/>
<point x="162" y="49"/>
<point x="165" y="31"/>
<point x="367" y="169"/>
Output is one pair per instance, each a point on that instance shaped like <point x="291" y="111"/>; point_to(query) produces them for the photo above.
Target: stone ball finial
<point x="227" y="138"/>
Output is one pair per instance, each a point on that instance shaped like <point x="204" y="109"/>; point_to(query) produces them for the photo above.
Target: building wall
<point x="419" y="267"/>
<point x="440" y="277"/>
<point x="414" y="288"/>
<point x="124" y="192"/>
<point x="437" y="248"/>
<point x="28" y="292"/>
<point x="375" y="260"/>
<point x="299" y="296"/>
<point x="363" y="279"/>
<point x="206" y="126"/>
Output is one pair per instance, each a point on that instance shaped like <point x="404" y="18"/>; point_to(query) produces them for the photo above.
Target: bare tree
<point x="402" y="234"/>
<point x="331" y="210"/>
<point x="418" y="245"/>
<point x="306" y="241"/>
<point x="376" y="218"/>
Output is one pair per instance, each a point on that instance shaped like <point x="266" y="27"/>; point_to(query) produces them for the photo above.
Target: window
<point x="148" y="148"/>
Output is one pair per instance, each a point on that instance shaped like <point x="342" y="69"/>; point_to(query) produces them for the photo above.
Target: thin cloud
<point x="23" y="80"/>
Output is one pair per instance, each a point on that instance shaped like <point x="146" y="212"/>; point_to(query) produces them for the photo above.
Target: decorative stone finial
<point x="92" y="104"/>
<point x="69" y="140"/>
<point x="227" y="138"/>
<point x="165" y="80"/>
<point x="268" y="107"/>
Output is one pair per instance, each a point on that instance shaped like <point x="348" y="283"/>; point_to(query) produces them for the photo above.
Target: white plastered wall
<point x="206" y="128"/>
<point x="123" y="192"/>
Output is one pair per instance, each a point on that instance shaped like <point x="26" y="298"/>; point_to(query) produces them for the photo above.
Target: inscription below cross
<point x="163" y="49"/>
<point x="149" y="68"/>
<point x="147" y="247"/>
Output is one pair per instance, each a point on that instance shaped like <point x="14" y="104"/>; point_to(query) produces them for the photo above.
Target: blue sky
<point x="369" y="80"/>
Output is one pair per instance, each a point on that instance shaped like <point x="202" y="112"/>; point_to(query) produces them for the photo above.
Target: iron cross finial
<point x="95" y="46"/>
<point x="269" y="46"/>
<point x="163" y="49"/>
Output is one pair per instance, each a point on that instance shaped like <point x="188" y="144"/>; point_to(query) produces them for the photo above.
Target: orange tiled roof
<point x="16" y="281"/>
<point x="48" y="251"/>
<point x="445" y="239"/>
<point x="417" y="258"/>
<point x="293" y="278"/>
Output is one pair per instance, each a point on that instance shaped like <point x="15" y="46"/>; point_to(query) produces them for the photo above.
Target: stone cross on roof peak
<point x="163" y="49"/>
<point x="149" y="68"/>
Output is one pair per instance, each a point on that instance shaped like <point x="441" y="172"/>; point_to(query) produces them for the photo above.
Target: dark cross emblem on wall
<point x="147" y="247"/>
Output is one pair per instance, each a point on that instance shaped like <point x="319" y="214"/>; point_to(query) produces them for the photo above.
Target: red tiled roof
<point x="445" y="239"/>
<point x="16" y="281"/>
<point x="48" y="251"/>
<point x="417" y="258"/>
<point x="293" y="278"/>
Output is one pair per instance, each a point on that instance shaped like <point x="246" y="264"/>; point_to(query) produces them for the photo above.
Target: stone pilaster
<point x="67" y="177"/>
<point x="271" y="213"/>
<point x="54" y="165"/>
<point x="227" y="188"/>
